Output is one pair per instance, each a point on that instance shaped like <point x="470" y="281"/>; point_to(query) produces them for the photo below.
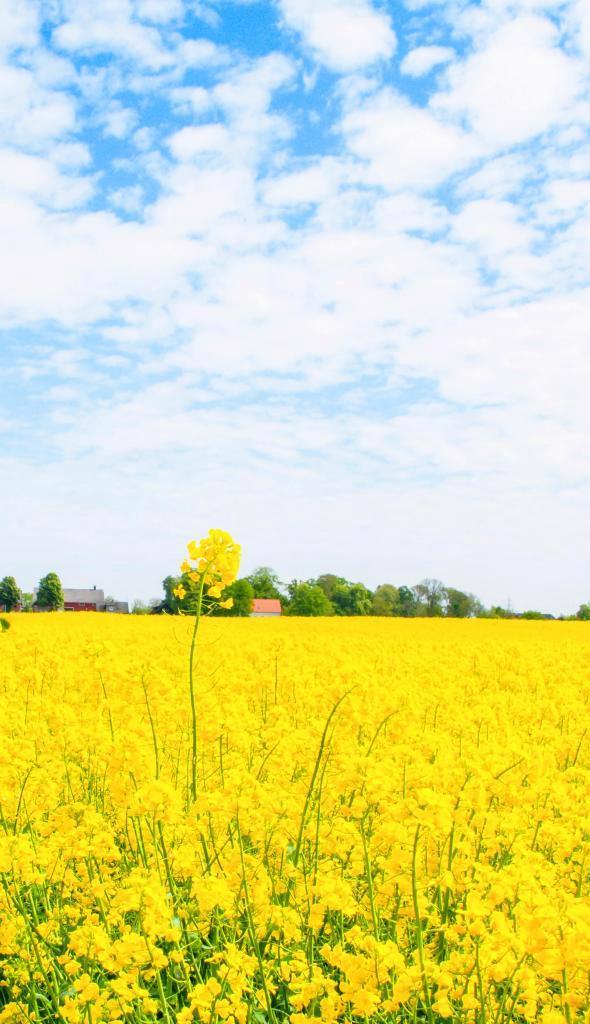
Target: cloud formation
<point x="283" y="276"/>
<point x="423" y="59"/>
<point x="345" y="35"/>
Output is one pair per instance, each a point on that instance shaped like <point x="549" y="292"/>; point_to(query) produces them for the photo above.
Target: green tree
<point x="243" y="595"/>
<point x="308" y="599"/>
<point x="327" y="581"/>
<point x="583" y="612"/>
<point x="461" y="605"/>
<point x="497" y="612"/>
<point x="351" y="599"/>
<point x="10" y="595"/>
<point x="432" y="596"/>
<point x="458" y="604"/>
<point x="170" y="604"/>
<point x="385" y="600"/>
<point x="27" y="601"/>
<point x="265" y="582"/>
<point x="534" y="615"/>
<point x="49" y="592"/>
<point x="407" y="603"/>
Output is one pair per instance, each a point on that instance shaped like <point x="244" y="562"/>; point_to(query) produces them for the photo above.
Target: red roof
<point x="270" y="605"/>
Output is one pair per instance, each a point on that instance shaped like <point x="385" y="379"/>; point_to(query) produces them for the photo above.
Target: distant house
<point x="77" y="600"/>
<point x="265" y="608"/>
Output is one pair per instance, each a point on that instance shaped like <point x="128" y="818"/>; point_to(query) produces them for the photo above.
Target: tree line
<point x="327" y="594"/>
<point x="49" y="595"/>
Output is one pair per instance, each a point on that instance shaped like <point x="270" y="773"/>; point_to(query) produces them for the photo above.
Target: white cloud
<point x="407" y="211"/>
<point x="405" y="145"/>
<point x="424" y="58"/>
<point x="50" y="71"/>
<point x="19" y="24"/>
<point x="110" y="27"/>
<point x="70" y="154"/>
<point x="498" y="177"/>
<point x="508" y="8"/>
<point x="567" y="197"/>
<point x="117" y="120"/>
<point x="130" y="199"/>
<point x="144" y="139"/>
<point x="507" y="358"/>
<point x="343" y="34"/>
<point x="311" y="185"/>
<point x="247" y="92"/>
<point x="190" y="142"/>
<point x="579" y="14"/>
<point x="517" y="85"/>
<point x="26" y="175"/>
<point x="31" y="115"/>
<point x="160" y="10"/>
<point x="245" y="96"/>
<point x="493" y="227"/>
<point x="195" y="99"/>
<point x="416" y="5"/>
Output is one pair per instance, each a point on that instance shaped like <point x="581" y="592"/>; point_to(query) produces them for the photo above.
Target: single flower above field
<point x="212" y="565"/>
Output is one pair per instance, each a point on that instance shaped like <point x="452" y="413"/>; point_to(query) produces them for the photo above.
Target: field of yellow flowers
<point x="392" y="821"/>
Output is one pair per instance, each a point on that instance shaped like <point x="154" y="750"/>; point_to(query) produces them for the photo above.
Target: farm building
<point x="265" y="608"/>
<point x="77" y="599"/>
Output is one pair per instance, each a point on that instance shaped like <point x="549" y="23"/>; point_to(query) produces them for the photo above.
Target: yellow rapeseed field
<point x="390" y="821"/>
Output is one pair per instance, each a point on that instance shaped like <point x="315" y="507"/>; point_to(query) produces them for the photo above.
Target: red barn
<point x="265" y="608"/>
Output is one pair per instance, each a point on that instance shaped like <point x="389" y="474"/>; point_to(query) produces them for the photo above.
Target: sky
<point x="316" y="272"/>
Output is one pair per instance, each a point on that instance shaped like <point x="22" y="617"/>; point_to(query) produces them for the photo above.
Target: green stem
<point x="191" y="683"/>
<point x="420" y="940"/>
<point x="369" y="873"/>
<point x="152" y="727"/>
<point x="480" y="984"/>
<point x="566" y="1008"/>
<point x="251" y="927"/>
<point x="314" y="776"/>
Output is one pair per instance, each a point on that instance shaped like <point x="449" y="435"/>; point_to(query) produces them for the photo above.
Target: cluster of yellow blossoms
<point x="391" y="821"/>
<point x="212" y="563"/>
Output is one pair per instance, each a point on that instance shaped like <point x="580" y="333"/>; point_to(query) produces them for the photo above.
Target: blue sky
<point x="313" y="271"/>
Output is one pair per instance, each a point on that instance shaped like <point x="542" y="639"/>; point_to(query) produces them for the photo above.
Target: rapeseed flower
<point x="416" y="851"/>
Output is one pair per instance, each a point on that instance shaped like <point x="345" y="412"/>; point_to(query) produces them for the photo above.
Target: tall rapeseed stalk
<point x="212" y="565"/>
